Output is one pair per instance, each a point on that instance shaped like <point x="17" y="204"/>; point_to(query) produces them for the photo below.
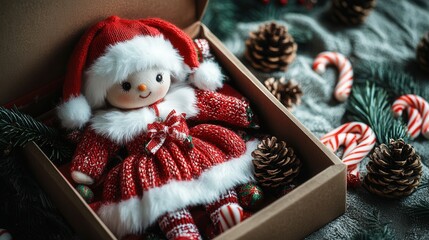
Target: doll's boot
<point x="225" y="212"/>
<point x="179" y="225"/>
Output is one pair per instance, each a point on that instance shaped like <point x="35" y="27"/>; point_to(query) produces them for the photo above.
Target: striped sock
<point x="179" y="225"/>
<point x="225" y="212"/>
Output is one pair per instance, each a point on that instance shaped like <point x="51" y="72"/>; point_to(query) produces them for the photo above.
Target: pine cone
<point x="351" y="12"/>
<point x="394" y="170"/>
<point x="423" y="52"/>
<point x="271" y="48"/>
<point x="288" y="93"/>
<point x="275" y="163"/>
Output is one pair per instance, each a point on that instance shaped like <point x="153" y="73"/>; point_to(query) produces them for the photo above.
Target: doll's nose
<point x="142" y="87"/>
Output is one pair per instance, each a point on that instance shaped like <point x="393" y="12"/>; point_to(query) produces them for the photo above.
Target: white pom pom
<point x="207" y="76"/>
<point x="74" y="113"/>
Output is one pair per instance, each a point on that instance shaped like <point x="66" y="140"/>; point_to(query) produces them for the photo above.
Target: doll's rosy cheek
<point x="118" y="98"/>
<point x="163" y="89"/>
<point x="124" y="99"/>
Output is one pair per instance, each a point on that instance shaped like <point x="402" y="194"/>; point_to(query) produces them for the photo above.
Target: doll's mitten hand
<point x="82" y="178"/>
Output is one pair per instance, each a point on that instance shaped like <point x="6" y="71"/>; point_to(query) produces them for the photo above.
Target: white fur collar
<point x="123" y="126"/>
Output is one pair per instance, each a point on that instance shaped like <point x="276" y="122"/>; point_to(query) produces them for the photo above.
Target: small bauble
<point x="275" y="163"/>
<point x="5" y="235"/>
<point x="271" y="48"/>
<point x="85" y="192"/>
<point x="351" y="12"/>
<point x="395" y="170"/>
<point x="250" y="196"/>
<point x="353" y="181"/>
<point x="423" y="52"/>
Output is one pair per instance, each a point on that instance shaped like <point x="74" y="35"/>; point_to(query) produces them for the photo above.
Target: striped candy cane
<point x="358" y="140"/>
<point x="345" y="80"/>
<point x="418" y="114"/>
<point x="230" y="215"/>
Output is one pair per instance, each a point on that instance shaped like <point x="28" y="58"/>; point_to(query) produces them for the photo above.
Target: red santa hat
<point x="115" y="48"/>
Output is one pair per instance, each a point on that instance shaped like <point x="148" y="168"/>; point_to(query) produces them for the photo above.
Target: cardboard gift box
<point x="37" y="40"/>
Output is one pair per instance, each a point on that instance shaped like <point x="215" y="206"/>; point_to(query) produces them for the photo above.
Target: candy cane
<point x="358" y="139"/>
<point x="346" y="139"/>
<point x="418" y="114"/>
<point x="345" y="80"/>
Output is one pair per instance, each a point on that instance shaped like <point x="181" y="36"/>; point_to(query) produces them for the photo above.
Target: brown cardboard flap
<point x="37" y="37"/>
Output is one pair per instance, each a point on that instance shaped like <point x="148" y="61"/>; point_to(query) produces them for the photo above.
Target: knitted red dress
<point x="189" y="166"/>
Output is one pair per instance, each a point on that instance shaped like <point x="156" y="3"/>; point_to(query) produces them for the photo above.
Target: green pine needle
<point x="375" y="230"/>
<point x="389" y="76"/>
<point x="369" y="104"/>
<point x="220" y="17"/>
<point x="17" y="129"/>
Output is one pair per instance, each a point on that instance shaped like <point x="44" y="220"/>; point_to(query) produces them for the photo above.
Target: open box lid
<point x="37" y="37"/>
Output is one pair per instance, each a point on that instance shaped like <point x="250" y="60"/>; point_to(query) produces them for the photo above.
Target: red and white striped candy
<point x="230" y="215"/>
<point x="358" y="140"/>
<point x="418" y="114"/>
<point x="345" y="79"/>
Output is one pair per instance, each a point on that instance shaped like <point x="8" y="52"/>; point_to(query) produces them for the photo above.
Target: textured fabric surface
<point x="178" y="225"/>
<point x="390" y="34"/>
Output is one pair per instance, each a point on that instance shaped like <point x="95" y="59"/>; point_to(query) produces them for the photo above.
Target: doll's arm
<point x="228" y="108"/>
<point x="90" y="157"/>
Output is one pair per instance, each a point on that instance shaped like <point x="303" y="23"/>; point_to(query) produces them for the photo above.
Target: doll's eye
<point x="159" y="78"/>
<point x="126" y="86"/>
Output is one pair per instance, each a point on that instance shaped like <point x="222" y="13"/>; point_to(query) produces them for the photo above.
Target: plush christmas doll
<point x="125" y="88"/>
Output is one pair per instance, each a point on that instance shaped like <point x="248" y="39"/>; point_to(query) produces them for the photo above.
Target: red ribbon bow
<point x="171" y="127"/>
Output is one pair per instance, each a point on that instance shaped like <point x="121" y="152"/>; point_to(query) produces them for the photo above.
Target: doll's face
<point x="140" y="89"/>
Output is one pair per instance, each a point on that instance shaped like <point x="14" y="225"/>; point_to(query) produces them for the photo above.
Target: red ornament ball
<point x="85" y="192"/>
<point x="353" y="181"/>
<point x="250" y="196"/>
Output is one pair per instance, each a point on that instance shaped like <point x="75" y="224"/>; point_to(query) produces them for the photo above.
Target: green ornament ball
<point x="85" y="192"/>
<point x="250" y="196"/>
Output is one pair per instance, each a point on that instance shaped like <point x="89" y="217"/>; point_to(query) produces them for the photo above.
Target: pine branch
<point x="26" y="212"/>
<point x="389" y="76"/>
<point x="369" y="104"/>
<point x="220" y="17"/>
<point x="375" y="230"/>
<point x="420" y="209"/>
<point x="17" y="129"/>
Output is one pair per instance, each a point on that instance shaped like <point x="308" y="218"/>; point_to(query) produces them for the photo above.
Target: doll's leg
<point x="179" y="225"/>
<point x="225" y="212"/>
